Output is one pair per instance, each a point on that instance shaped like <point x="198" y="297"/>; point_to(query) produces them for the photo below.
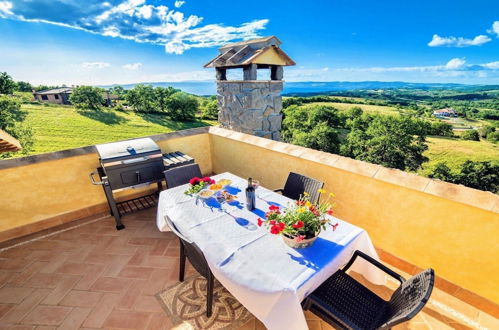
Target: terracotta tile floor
<point x="93" y="276"/>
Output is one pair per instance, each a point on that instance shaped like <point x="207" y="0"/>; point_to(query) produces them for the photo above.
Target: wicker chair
<point x="190" y="250"/>
<point x="346" y="304"/>
<point x="178" y="176"/>
<point x="297" y="184"/>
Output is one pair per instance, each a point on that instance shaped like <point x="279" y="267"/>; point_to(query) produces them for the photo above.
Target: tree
<point x="142" y="98"/>
<point x="312" y="127"/>
<point x="87" y="97"/>
<point x="182" y="106"/>
<point x="23" y="86"/>
<point x="7" y="85"/>
<point x="11" y="121"/>
<point x="209" y="108"/>
<point x="480" y="175"/>
<point x="118" y="91"/>
<point x="442" y="172"/>
<point x="441" y="129"/>
<point x="486" y="130"/>
<point x="471" y="135"/>
<point x="161" y="97"/>
<point x="397" y="142"/>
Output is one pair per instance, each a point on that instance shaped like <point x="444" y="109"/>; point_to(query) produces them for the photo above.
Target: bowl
<point x="215" y="187"/>
<point x="205" y="193"/>
<point x="224" y="182"/>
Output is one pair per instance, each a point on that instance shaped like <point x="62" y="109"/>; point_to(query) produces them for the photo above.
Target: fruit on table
<point x="215" y="186"/>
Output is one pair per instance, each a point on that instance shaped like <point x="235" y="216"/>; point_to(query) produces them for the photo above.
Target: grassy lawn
<point x="454" y="152"/>
<point x="63" y="127"/>
<point x="381" y="109"/>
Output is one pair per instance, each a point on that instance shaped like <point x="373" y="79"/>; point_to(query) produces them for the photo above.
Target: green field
<point x="63" y="127"/>
<point x="380" y="109"/>
<point x="454" y="152"/>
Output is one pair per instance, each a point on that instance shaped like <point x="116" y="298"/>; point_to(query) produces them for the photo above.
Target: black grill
<point x="128" y="164"/>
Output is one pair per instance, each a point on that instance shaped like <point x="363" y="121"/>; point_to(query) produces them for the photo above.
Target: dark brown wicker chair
<point x="297" y="184"/>
<point x="178" y="176"/>
<point x="346" y="304"/>
<point x="196" y="257"/>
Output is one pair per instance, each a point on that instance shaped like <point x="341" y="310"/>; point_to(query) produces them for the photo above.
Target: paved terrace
<point x="89" y="275"/>
<point x="92" y="276"/>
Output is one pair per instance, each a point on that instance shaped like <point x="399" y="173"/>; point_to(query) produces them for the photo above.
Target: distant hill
<point x="312" y="88"/>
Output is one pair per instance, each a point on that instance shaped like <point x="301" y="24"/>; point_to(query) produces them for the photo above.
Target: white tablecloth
<point x="269" y="278"/>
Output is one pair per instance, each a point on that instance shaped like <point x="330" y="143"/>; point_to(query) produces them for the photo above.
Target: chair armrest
<point x="279" y="190"/>
<point x="376" y="263"/>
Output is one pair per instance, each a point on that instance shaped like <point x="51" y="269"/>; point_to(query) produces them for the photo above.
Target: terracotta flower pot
<point x="296" y="243"/>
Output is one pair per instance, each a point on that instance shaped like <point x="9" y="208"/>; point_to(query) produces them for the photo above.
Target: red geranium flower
<point x="299" y="224"/>
<point x="208" y="180"/>
<point x="260" y="222"/>
<point x="282" y="225"/>
<point x="300" y="203"/>
<point x="272" y="222"/>
<point x="273" y="208"/>
<point x="330" y="212"/>
<point x="335" y="226"/>
<point x="194" y="181"/>
<point x="275" y="229"/>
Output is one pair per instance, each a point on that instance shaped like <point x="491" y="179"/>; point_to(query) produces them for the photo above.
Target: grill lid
<point x="129" y="148"/>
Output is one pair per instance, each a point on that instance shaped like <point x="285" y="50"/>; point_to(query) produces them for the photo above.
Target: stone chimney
<point x="251" y="106"/>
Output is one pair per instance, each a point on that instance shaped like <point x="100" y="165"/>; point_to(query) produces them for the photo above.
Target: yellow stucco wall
<point x="459" y="241"/>
<point x="47" y="189"/>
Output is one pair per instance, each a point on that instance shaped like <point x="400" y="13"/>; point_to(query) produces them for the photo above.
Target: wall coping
<point x="34" y="159"/>
<point x="477" y="198"/>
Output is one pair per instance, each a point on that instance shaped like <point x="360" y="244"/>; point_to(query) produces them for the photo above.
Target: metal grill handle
<point x="93" y="180"/>
<point x="138" y="176"/>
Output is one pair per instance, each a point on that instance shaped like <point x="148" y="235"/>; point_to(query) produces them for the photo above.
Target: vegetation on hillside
<point x="400" y="135"/>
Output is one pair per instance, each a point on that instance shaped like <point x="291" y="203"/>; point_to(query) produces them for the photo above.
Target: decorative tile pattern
<point x="93" y="276"/>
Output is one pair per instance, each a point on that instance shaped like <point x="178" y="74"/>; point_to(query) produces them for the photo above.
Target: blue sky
<point x="127" y="41"/>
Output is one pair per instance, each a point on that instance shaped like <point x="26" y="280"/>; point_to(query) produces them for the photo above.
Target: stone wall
<point x="252" y="107"/>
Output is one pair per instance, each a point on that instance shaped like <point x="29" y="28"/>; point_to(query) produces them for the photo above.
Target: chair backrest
<point x="297" y="184"/>
<point x="178" y="176"/>
<point x="191" y="250"/>
<point x="409" y="298"/>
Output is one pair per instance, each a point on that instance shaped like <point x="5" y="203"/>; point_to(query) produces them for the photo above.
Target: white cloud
<point x="5" y="8"/>
<point x="132" y="66"/>
<point x="95" y="65"/>
<point x="438" y="41"/>
<point x="455" y="63"/>
<point x="495" y="28"/>
<point x="325" y="69"/>
<point x="492" y="65"/>
<point x="134" y="20"/>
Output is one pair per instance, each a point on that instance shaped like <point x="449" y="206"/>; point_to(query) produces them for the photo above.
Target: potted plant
<point x="301" y="222"/>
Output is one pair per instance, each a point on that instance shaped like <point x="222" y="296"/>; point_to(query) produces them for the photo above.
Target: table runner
<point x="269" y="278"/>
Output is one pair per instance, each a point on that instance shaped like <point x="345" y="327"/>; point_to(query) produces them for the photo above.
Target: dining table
<point x="268" y="277"/>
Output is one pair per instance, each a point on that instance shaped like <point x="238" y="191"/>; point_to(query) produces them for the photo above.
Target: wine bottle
<point x="250" y="196"/>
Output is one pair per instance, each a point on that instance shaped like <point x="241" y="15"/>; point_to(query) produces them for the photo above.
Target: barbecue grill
<point x="128" y="164"/>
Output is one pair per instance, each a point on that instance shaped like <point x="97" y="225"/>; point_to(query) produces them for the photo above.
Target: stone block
<point x="268" y="110"/>
<point x="276" y="87"/>
<point x="276" y="136"/>
<point x="275" y="122"/>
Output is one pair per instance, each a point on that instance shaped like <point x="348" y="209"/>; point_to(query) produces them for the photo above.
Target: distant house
<point x="55" y="95"/>
<point x="445" y="112"/>
<point x="61" y="96"/>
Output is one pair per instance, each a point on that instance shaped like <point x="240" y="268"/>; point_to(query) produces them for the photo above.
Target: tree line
<point x="391" y="141"/>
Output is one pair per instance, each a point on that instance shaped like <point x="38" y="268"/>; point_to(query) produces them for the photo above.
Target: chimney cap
<point x="263" y="51"/>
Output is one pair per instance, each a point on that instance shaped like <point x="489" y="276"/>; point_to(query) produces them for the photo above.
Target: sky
<point x="94" y="42"/>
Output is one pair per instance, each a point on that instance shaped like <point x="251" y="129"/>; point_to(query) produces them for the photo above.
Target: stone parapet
<point x="251" y="106"/>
